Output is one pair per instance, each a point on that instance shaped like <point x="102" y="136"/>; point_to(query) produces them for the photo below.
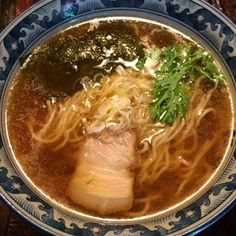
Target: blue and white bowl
<point x="193" y="17"/>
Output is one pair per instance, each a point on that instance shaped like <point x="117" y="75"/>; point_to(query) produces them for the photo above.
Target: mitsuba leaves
<point x="179" y="67"/>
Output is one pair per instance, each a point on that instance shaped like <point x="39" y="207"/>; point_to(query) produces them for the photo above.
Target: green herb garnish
<point x="179" y="66"/>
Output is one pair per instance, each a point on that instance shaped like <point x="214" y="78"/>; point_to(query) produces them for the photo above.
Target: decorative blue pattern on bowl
<point x="46" y="16"/>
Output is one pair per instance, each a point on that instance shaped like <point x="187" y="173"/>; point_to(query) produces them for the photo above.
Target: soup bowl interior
<point x="38" y="204"/>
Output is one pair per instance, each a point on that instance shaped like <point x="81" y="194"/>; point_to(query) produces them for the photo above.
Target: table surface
<point x="12" y="225"/>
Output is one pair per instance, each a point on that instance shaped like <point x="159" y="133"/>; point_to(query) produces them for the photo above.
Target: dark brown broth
<point x="51" y="172"/>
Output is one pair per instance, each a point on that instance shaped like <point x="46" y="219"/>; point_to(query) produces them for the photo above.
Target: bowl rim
<point x="38" y="6"/>
<point x="74" y="23"/>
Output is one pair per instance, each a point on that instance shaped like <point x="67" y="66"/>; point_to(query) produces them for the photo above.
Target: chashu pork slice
<point x="103" y="179"/>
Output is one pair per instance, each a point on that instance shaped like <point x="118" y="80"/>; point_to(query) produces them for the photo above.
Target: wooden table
<point x="12" y="225"/>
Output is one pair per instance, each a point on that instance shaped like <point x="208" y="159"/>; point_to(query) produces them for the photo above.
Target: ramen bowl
<point x="196" y="20"/>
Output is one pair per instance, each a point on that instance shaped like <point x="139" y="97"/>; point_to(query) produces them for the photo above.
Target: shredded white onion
<point x="118" y="112"/>
<point x="95" y="129"/>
